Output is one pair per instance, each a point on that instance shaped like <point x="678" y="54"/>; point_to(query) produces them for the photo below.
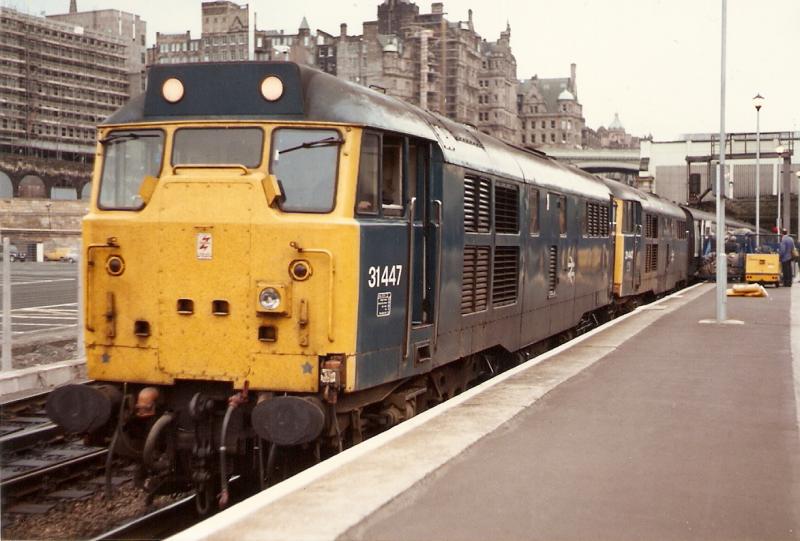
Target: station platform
<point x="655" y="426"/>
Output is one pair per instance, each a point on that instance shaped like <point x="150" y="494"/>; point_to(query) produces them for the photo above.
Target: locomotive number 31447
<point x="385" y="275"/>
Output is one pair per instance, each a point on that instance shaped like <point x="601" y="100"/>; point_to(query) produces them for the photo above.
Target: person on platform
<point x="786" y="252"/>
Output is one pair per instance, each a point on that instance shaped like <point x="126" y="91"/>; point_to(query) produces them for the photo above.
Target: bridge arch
<point x="32" y="186"/>
<point x="6" y="186"/>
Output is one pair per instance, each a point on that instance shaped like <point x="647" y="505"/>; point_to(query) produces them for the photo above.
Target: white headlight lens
<point x="269" y="298"/>
<point x="172" y="90"/>
<point x="271" y="88"/>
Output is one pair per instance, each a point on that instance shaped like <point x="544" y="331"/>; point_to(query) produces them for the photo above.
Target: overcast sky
<point x="656" y="62"/>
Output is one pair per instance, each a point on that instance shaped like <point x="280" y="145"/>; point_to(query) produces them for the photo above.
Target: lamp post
<point x="778" y="222"/>
<point x="722" y="267"/>
<point x="758" y="101"/>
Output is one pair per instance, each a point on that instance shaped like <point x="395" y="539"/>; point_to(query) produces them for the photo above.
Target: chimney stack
<point x="574" y="80"/>
<point x="343" y="29"/>
<point x="437" y="8"/>
<point x="73" y="6"/>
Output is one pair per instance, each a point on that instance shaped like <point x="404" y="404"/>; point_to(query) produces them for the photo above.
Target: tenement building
<point x="224" y="37"/>
<point x="549" y="112"/>
<point x="57" y="82"/>
<point x="128" y="27"/>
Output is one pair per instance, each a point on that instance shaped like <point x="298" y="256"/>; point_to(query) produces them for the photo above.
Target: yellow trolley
<point x="762" y="268"/>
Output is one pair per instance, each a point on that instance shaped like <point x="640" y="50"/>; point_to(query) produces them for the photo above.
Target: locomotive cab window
<point x="380" y="175"/>
<point x="305" y="162"/>
<point x="391" y="181"/>
<point x="218" y="146"/>
<point x="129" y="157"/>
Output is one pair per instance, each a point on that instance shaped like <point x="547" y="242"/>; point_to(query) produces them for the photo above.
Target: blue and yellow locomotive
<point x="279" y="259"/>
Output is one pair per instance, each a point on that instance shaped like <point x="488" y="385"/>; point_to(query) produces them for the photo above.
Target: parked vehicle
<point x="14" y="254"/>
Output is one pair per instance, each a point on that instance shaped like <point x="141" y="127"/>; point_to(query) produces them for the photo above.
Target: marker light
<point x="172" y="90"/>
<point x="269" y="298"/>
<point x="271" y="88"/>
<point x="300" y="270"/>
<point x="115" y="265"/>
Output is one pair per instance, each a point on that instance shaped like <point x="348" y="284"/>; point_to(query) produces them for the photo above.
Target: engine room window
<point x="392" y="179"/>
<point x="368" y="174"/>
<point x="533" y="204"/>
<point x="218" y="146"/>
<point x="305" y="162"/>
<point x="562" y="214"/>
<point x="129" y="156"/>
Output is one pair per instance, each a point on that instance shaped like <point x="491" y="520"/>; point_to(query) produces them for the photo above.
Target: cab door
<point x="636" y="267"/>
<point x="425" y="227"/>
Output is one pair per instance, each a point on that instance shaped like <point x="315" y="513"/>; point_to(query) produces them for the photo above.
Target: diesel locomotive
<point x="280" y="261"/>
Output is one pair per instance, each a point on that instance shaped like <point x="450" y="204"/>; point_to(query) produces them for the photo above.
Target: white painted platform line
<point x="794" y="309"/>
<point x="327" y="500"/>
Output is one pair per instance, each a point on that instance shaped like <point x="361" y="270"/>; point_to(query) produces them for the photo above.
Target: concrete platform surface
<point x="655" y="427"/>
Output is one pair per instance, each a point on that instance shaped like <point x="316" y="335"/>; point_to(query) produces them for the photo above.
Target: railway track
<point x="38" y="461"/>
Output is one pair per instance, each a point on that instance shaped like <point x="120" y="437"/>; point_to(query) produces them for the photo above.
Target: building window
<point x="552" y="137"/>
<point x="553" y="124"/>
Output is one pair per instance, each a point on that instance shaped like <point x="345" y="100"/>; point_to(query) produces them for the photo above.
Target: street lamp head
<point x="758" y="101"/>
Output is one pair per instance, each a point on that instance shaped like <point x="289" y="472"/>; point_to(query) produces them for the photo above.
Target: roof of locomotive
<point x="650" y="202"/>
<point x="699" y="214"/>
<point x="231" y="91"/>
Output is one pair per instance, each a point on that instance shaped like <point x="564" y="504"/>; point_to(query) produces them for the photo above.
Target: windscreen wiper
<point x="328" y="141"/>
<point x="127" y="136"/>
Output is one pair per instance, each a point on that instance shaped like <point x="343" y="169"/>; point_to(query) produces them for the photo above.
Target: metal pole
<point x="778" y="219"/>
<point x="787" y="189"/>
<point x="758" y="174"/>
<point x="6" y="355"/>
<point x="798" y="208"/>
<point x="81" y="307"/>
<point x="722" y="267"/>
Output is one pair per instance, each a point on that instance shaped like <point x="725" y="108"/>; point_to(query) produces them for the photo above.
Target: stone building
<point x="549" y="112"/>
<point x="224" y="37"/>
<point x="128" y="27"/>
<point x="58" y="80"/>
<point x="425" y="59"/>
<point x="497" y="98"/>
<point x="301" y="48"/>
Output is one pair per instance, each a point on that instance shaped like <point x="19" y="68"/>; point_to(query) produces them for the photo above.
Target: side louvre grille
<point x="651" y="226"/>
<point x="506" y="275"/>
<point x="651" y="258"/>
<point x="477" y="205"/>
<point x="552" y="271"/>
<point x="475" y="283"/>
<point x="506" y="208"/>
<point x="596" y="220"/>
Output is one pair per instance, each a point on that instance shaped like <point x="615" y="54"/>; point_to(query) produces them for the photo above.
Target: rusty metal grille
<point x="475" y="281"/>
<point x="506" y="208"/>
<point x="477" y="205"/>
<point x="506" y="275"/>
<point x="682" y="232"/>
<point x="651" y="258"/>
<point x="651" y="226"/>
<point x="552" y="271"/>
<point x="596" y="220"/>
